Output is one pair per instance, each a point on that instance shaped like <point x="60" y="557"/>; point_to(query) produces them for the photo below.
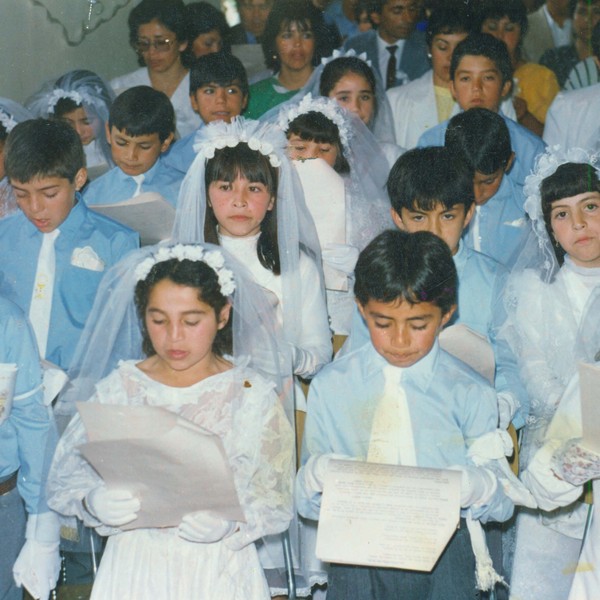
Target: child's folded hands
<point x="315" y="470"/>
<point x="113" y="507"/>
<point x="477" y="486"/>
<point x="205" y="527"/>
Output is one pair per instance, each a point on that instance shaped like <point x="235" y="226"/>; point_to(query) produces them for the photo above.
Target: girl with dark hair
<point x="294" y="41"/>
<point x="174" y="328"/>
<point x="546" y="300"/>
<point x="158" y="32"/>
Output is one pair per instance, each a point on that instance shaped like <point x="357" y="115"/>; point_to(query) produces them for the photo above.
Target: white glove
<point x="507" y="407"/>
<point x="113" y="507"/>
<point x="205" y="527"/>
<point x="315" y="470"/>
<point x="477" y="485"/>
<point x="38" y="565"/>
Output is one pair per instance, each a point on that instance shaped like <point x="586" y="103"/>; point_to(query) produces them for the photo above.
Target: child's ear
<point x="398" y="222"/>
<point x="107" y="128"/>
<point x="447" y="316"/>
<point x="452" y="90"/>
<point x="244" y="103"/>
<point x="165" y="145"/>
<point x="361" y="308"/>
<point x="506" y="88"/>
<point x="510" y="163"/>
<point x="271" y="203"/>
<point x="224" y="316"/>
<point x="80" y="178"/>
<point x="469" y="215"/>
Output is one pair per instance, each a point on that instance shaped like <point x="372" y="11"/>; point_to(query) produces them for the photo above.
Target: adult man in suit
<point x="395" y="49"/>
<point x="548" y="27"/>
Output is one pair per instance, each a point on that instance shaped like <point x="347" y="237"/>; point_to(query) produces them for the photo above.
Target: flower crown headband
<point x="7" y="121"/>
<point x="78" y="97"/>
<point x="260" y="137"/>
<point x="326" y="106"/>
<point x="213" y="258"/>
<point x="348" y="54"/>
<point x="546" y="165"/>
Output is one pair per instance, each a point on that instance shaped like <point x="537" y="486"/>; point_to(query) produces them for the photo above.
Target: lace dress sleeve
<point x="262" y="462"/>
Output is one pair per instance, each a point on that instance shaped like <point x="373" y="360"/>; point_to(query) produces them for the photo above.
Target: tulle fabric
<point x="240" y="407"/>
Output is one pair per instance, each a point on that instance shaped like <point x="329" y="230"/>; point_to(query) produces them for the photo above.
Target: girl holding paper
<point x="546" y="298"/>
<point x="202" y="327"/>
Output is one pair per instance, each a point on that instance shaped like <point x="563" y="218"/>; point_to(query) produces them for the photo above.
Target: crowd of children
<point x="298" y="332"/>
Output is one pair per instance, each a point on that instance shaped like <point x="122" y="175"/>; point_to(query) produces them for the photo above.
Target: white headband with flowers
<point x="326" y="106"/>
<point x="79" y="97"/>
<point x="7" y="121"/>
<point x="260" y="137"/>
<point x="347" y="54"/>
<point x="213" y="258"/>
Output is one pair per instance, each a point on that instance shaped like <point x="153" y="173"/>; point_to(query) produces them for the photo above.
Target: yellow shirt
<point x="538" y="86"/>
<point x="444" y="103"/>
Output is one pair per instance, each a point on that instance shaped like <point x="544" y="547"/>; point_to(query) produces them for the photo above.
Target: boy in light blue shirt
<point x="140" y="129"/>
<point x="45" y="165"/>
<point x="500" y="226"/>
<point x="28" y="529"/>
<point x="406" y="292"/>
<point x="218" y="92"/>
<point x="480" y="77"/>
<point x="429" y="191"/>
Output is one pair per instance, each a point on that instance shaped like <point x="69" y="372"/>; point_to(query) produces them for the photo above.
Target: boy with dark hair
<point x="481" y="76"/>
<point x="54" y="251"/>
<point x="140" y="128"/>
<point x="500" y="226"/>
<point x="406" y="292"/>
<point x="218" y="92"/>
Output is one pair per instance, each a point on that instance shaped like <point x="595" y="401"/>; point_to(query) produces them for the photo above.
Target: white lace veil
<point x="87" y="90"/>
<point x="542" y="324"/>
<point x="11" y="113"/>
<point x="368" y="203"/>
<point x="295" y="227"/>
<point x="112" y="332"/>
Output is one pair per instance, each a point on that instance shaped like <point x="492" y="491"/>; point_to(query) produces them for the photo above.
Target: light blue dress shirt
<point x="74" y="286"/>
<point x="27" y="438"/>
<point x="481" y="282"/>
<point x="450" y="406"/>
<point x="526" y="146"/>
<point x="181" y="154"/>
<point x="501" y="226"/>
<point x="115" y="186"/>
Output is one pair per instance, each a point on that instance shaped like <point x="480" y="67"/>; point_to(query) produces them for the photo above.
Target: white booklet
<point x="172" y="465"/>
<point x="149" y="214"/>
<point x="387" y="515"/>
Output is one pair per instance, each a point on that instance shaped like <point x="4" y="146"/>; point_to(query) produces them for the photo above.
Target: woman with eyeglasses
<point x="159" y="34"/>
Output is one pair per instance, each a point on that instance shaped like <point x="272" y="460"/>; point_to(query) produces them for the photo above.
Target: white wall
<point x="33" y="49"/>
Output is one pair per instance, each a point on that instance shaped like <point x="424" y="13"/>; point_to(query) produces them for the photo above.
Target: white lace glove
<point x="205" y="527"/>
<point x="113" y="507"/>
<point x="38" y="565"/>
<point x="315" y="470"/>
<point x="477" y="485"/>
<point x="507" y="407"/>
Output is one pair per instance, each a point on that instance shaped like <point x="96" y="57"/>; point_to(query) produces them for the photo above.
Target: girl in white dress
<point x="186" y="299"/>
<point x="545" y="299"/>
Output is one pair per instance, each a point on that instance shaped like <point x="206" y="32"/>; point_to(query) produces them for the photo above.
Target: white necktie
<point x="391" y="439"/>
<point x="139" y="179"/>
<point x="41" y="299"/>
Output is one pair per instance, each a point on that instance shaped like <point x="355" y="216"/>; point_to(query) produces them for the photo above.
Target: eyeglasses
<point x="143" y="46"/>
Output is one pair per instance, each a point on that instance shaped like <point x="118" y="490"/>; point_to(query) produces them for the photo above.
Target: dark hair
<point x="481" y="139"/>
<point x="338" y="68"/>
<point x="453" y="18"/>
<point x="514" y="10"/>
<point x="226" y="165"/>
<point x="415" y="267"/>
<point x="424" y="177"/>
<point x="596" y="40"/>
<point x="368" y="6"/>
<point x="142" y="110"/>
<point x="483" y="44"/>
<point x="190" y="273"/>
<point x="203" y="17"/>
<point x="170" y="13"/>
<point x="220" y="68"/>
<point x="305" y="16"/>
<point x="314" y="126"/>
<point x="43" y="148"/>
<point x="570" y="179"/>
